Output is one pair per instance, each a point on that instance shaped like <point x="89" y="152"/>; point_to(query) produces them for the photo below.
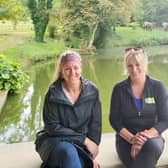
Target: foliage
<point x="79" y="20"/>
<point x="12" y="77"/>
<point x="128" y="36"/>
<point x="92" y="21"/>
<point x="12" y="10"/>
<point x="40" y="16"/>
<point x="146" y="42"/>
<point x="32" y="52"/>
<point x="18" y="45"/>
<point x="114" y="13"/>
<point x="153" y="11"/>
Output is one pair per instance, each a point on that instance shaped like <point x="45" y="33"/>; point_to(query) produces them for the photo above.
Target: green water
<point x="22" y="114"/>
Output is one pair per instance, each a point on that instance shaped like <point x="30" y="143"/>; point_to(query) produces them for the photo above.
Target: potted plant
<point x="12" y="78"/>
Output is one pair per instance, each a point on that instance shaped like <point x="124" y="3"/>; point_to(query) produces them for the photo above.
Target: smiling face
<point x="71" y="72"/>
<point x="135" y="69"/>
<point x="136" y="64"/>
<point x="69" y="66"/>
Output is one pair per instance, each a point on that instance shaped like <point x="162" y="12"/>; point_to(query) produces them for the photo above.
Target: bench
<point x="23" y="155"/>
<point x="108" y="157"/>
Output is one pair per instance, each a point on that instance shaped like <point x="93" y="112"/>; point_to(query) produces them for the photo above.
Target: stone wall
<point x="3" y="97"/>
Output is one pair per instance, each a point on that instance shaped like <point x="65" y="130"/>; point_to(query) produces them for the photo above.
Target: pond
<point x="21" y="116"/>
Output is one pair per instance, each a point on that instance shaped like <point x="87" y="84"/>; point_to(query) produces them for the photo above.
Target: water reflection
<point x="22" y="114"/>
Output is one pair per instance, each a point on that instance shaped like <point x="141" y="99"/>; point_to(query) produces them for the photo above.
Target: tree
<point x="92" y="20"/>
<point x="4" y="10"/>
<point x="11" y="10"/>
<point x="155" y="11"/>
<point x="79" y="20"/>
<point x="39" y="10"/>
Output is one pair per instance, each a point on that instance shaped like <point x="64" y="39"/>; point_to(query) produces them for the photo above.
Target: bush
<point x="145" y="42"/>
<point x="12" y="77"/>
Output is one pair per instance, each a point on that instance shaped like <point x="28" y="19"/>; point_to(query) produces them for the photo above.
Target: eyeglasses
<point x="134" y="49"/>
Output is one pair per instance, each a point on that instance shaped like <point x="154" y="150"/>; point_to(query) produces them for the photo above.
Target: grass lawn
<point x="127" y="36"/>
<point x="10" y="37"/>
<point x="19" y="45"/>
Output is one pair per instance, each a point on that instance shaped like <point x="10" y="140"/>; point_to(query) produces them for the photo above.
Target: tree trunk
<point x="40" y="16"/>
<point x="40" y="28"/>
<point x="92" y="36"/>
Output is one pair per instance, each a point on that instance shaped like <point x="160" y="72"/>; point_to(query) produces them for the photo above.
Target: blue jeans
<point x="148" y="156"/>
<point x="64" y="155"/>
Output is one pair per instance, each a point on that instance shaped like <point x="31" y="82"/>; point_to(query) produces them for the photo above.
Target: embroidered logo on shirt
<point x="149" y="100"/>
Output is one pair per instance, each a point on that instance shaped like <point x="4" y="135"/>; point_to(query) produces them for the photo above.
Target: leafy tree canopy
<point x="83" y="18"/>
<point x="11" y="10"/>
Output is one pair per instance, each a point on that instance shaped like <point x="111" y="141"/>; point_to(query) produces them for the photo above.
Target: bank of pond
<point x="21" y="116"/>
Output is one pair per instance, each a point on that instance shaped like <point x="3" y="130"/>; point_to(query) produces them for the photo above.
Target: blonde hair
<point x="139" y="54"/>
<point x="63" y="59"/>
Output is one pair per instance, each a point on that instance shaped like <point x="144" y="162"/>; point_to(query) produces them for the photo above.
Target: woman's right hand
<point x="91" y="146"/>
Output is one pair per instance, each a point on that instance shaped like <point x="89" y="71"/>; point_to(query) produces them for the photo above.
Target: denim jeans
<point x="148" y="156"/>
<point x="64" y="155"/>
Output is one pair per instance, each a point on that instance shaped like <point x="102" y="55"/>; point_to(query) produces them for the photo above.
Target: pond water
<point x="21" y="117"/>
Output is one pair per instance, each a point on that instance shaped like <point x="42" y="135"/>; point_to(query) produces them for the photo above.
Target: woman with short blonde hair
<point x="139" y="113"/>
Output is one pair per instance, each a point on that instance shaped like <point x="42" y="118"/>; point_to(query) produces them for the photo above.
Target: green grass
<point x="127" y="36"/>
<point x="10" y="37"/>
<point x="35" y="52"/>
<point x="19" y="45"/>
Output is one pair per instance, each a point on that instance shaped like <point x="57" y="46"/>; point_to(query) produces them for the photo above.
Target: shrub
<point x="145" y="42"/>
<point x="12" y="77"/>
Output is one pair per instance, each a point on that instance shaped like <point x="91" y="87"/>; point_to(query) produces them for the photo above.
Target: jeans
<point x="64" y="155"/>
<point x="148" y="156"/>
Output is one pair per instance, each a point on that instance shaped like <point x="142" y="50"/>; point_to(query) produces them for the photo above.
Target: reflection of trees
<point x="109" y="72"/>
<point x="21" y="116"/>
<point x="105" y="73"/>
<point x="159" y="71"/>
<point x="41" y="81"/>
<point x="89" y="68"/>
<point x="10" y="116"/>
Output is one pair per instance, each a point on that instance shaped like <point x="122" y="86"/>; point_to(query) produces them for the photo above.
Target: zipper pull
<point x="139" y="113"/>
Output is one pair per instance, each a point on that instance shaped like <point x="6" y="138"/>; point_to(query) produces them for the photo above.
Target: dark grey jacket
<point x="68" y="122"/>
<point x="154" y="113"/>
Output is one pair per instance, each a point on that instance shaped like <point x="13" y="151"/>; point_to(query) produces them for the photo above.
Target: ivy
<point x="12" y="77"/>
<point x="40" y="16"/>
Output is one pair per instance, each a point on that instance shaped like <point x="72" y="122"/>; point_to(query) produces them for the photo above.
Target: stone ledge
<point x="108" y="157"/>
<point x="23" y="155"/>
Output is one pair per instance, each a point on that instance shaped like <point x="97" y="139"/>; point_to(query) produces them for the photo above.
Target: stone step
<point x="23" y="155"/>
